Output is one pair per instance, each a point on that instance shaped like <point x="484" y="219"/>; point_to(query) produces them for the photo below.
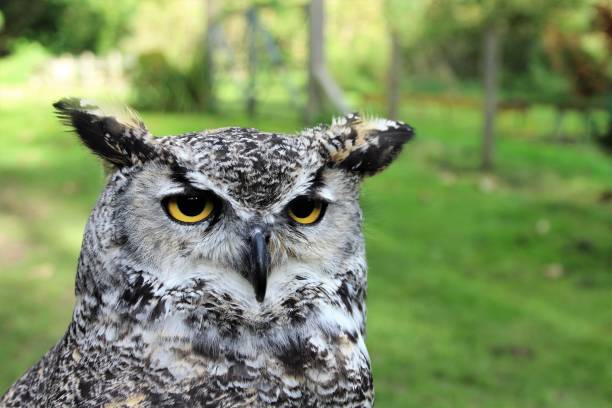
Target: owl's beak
<point x="259" y="260"/>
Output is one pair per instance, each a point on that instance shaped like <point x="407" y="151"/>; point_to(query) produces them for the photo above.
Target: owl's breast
<point x="320" y="370"/>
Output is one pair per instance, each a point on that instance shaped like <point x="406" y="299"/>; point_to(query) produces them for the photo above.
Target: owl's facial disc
<point x="197" y="208"/>
<point x="221" y="231"/>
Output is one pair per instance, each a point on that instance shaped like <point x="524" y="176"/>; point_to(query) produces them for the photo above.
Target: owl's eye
<point x="306" y="210"/>
<point x="190" y="209"/>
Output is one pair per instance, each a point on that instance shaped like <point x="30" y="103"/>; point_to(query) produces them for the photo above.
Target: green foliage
<point x="539" y="84"/>
<point x="453" y="36"/>
<point x="21" y="64"/>
<point x="174" y="28"/>
<point x="395" y="12"/>
<point x="441" y="40"/>
<point x="66" y="25"/>
<point x="100" y="25"/>
<point x="159" y="85"/>
<point x="40" y="20"/>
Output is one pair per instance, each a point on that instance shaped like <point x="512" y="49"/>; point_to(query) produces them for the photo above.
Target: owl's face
<point x="246" y="211"/>
<point x="235" y="217"/>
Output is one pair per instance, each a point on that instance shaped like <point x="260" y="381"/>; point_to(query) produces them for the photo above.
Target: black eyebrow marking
<point x="316" y="182"/>
<point x="179" y="175"/>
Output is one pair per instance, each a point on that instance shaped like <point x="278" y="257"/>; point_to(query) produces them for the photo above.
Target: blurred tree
<point x="208" y="70"/>
<point x="583" y="56"/>
<point x="65" y="25"/>
<point x="321" y="86"/>
<point x="490" y="73"/>
<point x="263" y="49"/>
<point x="229" y="37"/>
<point x="160" y="85"/>
<point x="394" y="75"/>
<point x="252" y="18"/>
<point x="402" y="40"/>
<point x="500" y="33"/>
<point x="176" y="70"/>
<point x="39" y="22"/>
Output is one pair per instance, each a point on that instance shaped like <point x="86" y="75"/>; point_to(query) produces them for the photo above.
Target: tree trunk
<point x="321" y="85"/>
<point x="251" y="40"/>
<point x="209" y="45"/>
<point x="490" y="71"/>
<point x="315" y="58"/>
<point x="395" y="69"/>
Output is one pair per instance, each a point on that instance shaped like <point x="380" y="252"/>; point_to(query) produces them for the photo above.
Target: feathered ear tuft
<point x="118" y="143"/>
<point x="365" y="146"/>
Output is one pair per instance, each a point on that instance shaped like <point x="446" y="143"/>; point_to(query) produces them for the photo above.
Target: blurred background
<point x="489" y="241"/>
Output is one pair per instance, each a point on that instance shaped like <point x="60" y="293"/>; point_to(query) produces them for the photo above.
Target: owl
<point x="221" y="268"/>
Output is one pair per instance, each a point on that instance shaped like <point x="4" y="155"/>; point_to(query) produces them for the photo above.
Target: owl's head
<point x="231" y="216"/>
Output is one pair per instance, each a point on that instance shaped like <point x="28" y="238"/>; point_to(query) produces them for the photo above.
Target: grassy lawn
<point x="485" y="290"/>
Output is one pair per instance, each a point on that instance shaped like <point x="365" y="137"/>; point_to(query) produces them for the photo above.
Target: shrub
<point x="159" y="85"/>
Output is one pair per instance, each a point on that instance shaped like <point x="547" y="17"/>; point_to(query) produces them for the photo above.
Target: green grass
<point x="485" y="290"/>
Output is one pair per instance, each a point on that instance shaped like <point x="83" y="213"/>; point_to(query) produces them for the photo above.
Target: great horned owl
<point x="222" y="268"/>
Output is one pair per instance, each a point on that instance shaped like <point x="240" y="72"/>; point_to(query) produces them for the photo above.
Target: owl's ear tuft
<point x="365" y="146"/>
<point x="120" y="143"/>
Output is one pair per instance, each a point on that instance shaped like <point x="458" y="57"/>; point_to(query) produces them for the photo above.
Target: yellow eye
<point x="190" y="209"/>
<point x="305" y="210"/>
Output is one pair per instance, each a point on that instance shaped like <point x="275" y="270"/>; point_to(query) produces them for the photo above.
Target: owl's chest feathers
<point x="213" y="331"/>
<point x="303" y="363"/>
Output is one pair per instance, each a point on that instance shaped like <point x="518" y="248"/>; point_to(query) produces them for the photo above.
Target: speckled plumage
<point x="164" y="314"/>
